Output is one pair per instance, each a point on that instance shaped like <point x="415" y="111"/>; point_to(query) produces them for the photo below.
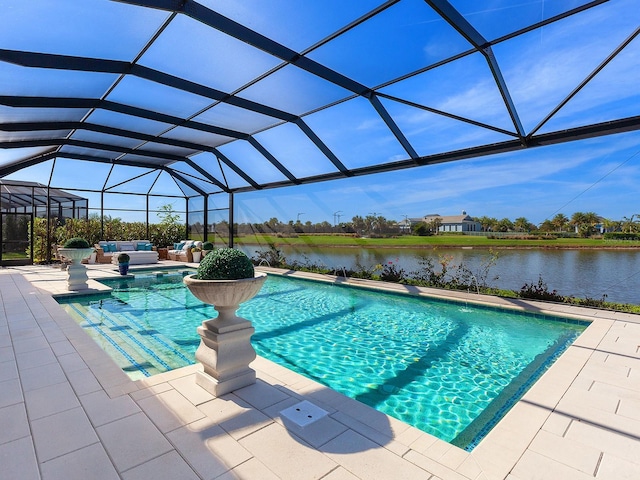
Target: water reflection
<point x="581" y="273"/>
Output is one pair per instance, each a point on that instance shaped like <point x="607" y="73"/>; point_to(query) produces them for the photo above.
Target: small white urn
<point x="225" y="349"/>
<point x="76" y="271"/>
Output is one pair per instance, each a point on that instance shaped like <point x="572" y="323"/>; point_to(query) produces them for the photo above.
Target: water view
<point x="580" y="273"/>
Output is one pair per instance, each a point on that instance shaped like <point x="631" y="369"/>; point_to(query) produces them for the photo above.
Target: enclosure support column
<point x="32" y="242"/>
<point x="186" y="221"/>
<point x="147" y="197"/>
<point x="231" y="220"/>
<point x="205" y="220"/>
<point x="47" y="247"/>
<point x="102" y="215"/>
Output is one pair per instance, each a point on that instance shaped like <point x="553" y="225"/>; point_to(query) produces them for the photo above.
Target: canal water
<point x="580" y="273"/>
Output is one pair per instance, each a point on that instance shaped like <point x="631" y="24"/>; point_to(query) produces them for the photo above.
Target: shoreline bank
<point x="446" y="246"/>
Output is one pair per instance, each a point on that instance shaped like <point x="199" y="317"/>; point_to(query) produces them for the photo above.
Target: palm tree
<point x="577" y="220"/>
<point x="629" y="225"/>
<point x="592" y="219"/>
<point x="434" y="225"/>
<point x="359" y="224"/>
<point x="585" y="223"/>
<point x="521" y="224"/>
<point x="610" y="225"/>
<point x="547" y="226"/>
<point x="372" y="224"/>
<point x="486" y="222"/>
<point x="560" y="222"/>
<point x="505" y="225"/>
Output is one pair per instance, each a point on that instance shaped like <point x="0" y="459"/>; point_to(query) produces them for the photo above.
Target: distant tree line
<point x="370" y="225"/>
<point x="584" y="224"/>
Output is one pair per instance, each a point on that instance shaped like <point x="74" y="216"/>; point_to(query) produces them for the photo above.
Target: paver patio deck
<point x="68" y="412"/>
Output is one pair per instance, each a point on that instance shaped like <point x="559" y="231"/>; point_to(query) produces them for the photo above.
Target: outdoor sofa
<point x="181" y="251"/>
<point x="139" y="251"/>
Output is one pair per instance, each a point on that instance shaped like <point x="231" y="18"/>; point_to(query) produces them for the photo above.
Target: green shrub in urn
<point x="225" y="264"/>
<point x="76" y="242"/>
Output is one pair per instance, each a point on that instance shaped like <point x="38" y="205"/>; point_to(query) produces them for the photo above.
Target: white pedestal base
<point x="76" y="271"/>
<point x="225" y="352"/>
<point x="77" y="276"/>
<point x="217" y="389"/>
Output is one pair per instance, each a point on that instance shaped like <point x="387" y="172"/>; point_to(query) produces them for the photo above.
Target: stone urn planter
<point x="225" y="349"/>
<point x="76" y="250"/>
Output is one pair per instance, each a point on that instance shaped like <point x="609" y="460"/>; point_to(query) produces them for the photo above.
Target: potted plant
<point x="206" y="248"/>
<point x="123" y="263"/>
<point x="76" y="249"/>
<point x="225" y="278"/>
<point x="196" y="252"/>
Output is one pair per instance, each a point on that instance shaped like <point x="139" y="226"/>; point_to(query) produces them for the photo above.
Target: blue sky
<point x="601" y="175"/>
<point x="541" y="68"/>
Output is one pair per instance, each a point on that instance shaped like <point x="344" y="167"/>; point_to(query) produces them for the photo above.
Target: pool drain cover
<point x="303" y="413"/>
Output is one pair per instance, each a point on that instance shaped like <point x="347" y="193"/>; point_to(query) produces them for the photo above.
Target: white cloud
<point x="542" y="67"/>
<point x="530" y="169"/>
<point x="482" y="97"/>
<point x="370" y="124"/>
<point x="542" y="73"/>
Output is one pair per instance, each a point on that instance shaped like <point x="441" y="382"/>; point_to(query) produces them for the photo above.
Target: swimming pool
<point x="447" y="368"/>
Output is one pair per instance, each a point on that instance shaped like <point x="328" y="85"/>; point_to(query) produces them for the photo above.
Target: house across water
<point x="444" y="223"/>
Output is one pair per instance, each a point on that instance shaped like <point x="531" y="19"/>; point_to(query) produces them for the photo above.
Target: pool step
<point x="138" y="350"/>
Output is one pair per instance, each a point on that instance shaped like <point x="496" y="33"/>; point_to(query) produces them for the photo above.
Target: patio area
<point x="67" y="411"/>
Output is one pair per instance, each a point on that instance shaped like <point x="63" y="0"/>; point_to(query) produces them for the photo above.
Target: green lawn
<point x="431" y="242"/>
<point x="14" y="256"/>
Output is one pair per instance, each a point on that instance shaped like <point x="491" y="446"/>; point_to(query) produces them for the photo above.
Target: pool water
<point x="449" y="369"/>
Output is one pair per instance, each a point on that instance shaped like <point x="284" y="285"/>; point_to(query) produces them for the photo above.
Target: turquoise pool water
<point x="446" y="368"/>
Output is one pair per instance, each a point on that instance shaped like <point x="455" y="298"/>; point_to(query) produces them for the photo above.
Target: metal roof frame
<point x="164" y="157"/>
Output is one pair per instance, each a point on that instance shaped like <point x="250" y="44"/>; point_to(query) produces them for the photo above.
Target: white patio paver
<point x="67" y="411"/>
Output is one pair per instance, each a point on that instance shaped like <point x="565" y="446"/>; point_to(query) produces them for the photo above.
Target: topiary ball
<point x="225" y="264"/>
<point x="76" y="242"/>
<point x="123" y="258"/>
<point x="207" y="246"/>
